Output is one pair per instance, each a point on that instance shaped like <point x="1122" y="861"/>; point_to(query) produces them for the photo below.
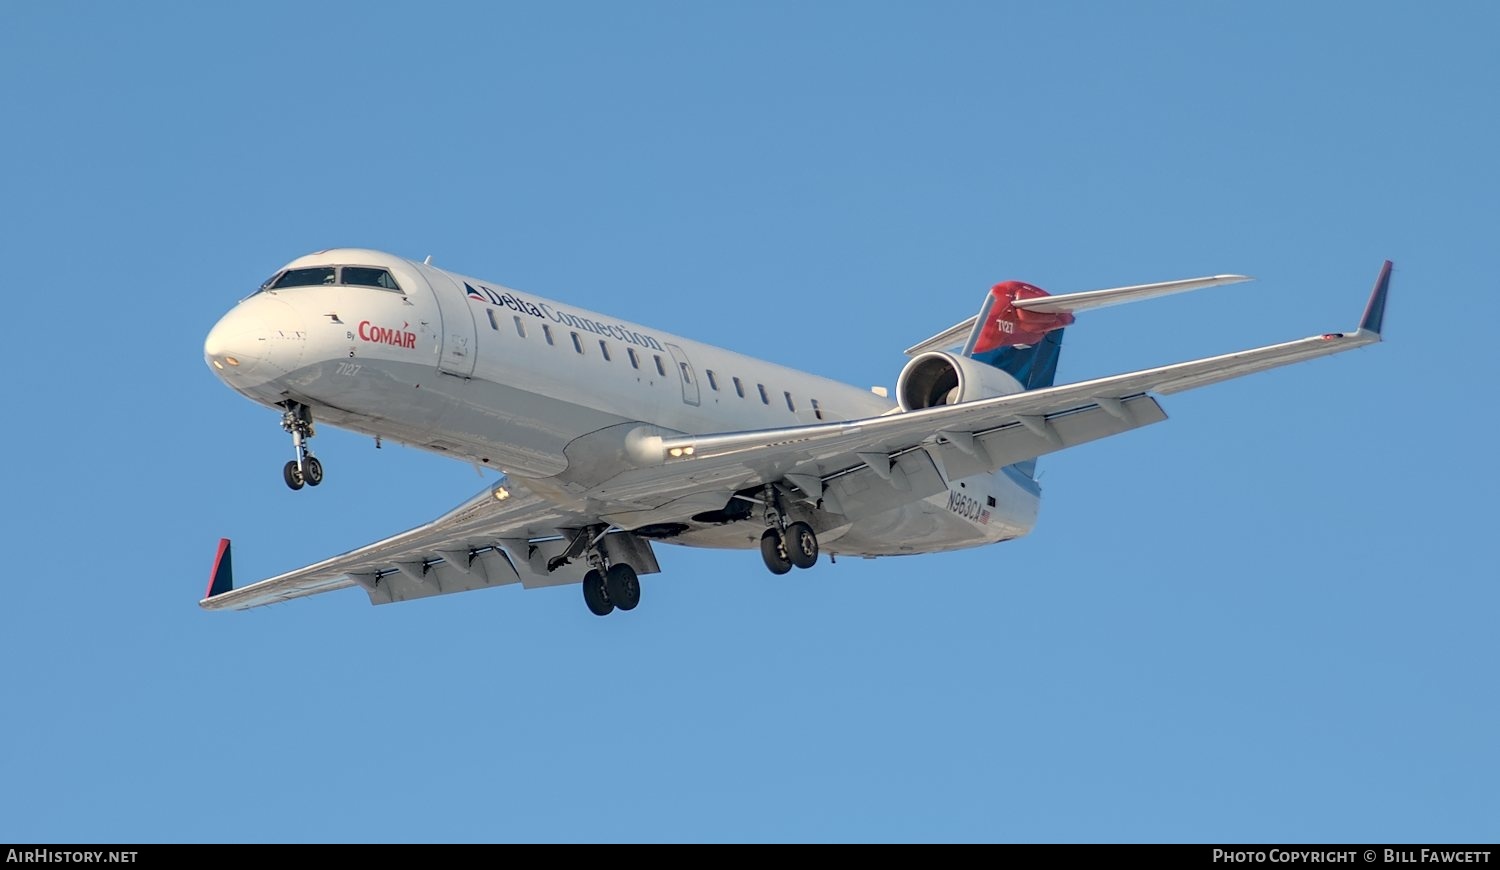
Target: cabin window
<point x="817" y="409"/>
<point x="314" y="277"/>
<point x="765" y="397"/>
<point x="635" y="360"/>
<point x="687" y="373"/>
<point x="520" y="327"/>
<point x="739" y="388"/>
<point x="547" y="333"/>
<point x="366" y="276"/>
<point x="660" y="369"/>
<point x="713" y="382"/>
<point x="789" y="406"/>
<point x="604" y="349"/>
<point x="490" y="313"/>
<point x="577" y="342"/>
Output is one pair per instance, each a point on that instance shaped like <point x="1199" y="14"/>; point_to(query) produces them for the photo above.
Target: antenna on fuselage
<point x="428" y="261"/>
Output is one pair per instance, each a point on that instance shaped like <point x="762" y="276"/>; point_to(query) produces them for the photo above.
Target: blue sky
<point x="1270" y="618"/>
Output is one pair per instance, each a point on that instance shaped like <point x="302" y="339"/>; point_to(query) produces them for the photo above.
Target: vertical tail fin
<point x="1024" y="344"/>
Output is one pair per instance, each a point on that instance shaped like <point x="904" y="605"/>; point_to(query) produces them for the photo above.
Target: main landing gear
<point x="305" y="469"/>
<point x="784" y="545"/>
<point x="606" y="587"/>
<point x="612" y="587"/>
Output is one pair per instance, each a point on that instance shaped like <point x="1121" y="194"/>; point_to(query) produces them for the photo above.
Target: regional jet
<point x="611" y="437"/>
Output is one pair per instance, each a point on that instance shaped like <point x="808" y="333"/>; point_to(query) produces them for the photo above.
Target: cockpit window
<point x="315" y="276"/>
<point x="365" y="276"/>
<point x="322" y="276"/>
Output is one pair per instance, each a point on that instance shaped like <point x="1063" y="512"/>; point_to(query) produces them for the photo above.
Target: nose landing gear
<point x="305" y="469"/>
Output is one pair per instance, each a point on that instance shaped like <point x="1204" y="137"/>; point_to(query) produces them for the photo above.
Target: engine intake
<point x="936" y="378"/>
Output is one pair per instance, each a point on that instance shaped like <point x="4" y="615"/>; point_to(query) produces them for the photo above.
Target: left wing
<point x="505" y="534"/>
<point x="972" y="436"/>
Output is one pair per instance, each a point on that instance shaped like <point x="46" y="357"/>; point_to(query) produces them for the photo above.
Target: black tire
<point x="801" y="545"/>
<point x="594" y="595"/>
<point x="292" y="475"/>
<point x="312" y="471"/>
<point x="774" y="553"/>
<point x="623" y="586"/>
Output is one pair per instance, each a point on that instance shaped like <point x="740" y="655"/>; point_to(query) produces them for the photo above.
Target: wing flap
<point x="866" y="490"/>
<point x="425" y="579"/>
<point x="1016" y="442"/>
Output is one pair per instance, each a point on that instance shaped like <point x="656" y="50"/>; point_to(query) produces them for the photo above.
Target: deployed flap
<point x="862" y="491"/>
<point x="1017" y="442"/>
<point x="453" y="572"/>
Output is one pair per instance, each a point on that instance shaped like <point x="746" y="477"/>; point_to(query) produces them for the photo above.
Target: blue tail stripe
<point x="1035" y="366"/>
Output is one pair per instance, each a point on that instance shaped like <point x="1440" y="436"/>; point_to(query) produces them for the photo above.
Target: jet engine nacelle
<point x="936" y="378"/>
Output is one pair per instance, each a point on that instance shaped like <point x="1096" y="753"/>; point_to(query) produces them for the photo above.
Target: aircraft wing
<point x="888" y="457"/>
<point x="490" y="540"/>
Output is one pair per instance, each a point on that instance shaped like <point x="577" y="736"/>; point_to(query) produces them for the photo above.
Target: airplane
<point x="612" y="437"/>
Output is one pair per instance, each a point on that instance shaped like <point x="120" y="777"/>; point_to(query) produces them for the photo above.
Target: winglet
<point x="222" y="578"/>
<point x="1375" y="311"/>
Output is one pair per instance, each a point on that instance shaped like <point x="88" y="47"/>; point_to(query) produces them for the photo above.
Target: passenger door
<point x="686" y="374"/>
<point x="459" y="342"/>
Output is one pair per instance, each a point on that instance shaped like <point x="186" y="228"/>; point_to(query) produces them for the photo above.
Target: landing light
<point x="218" y="365"/>
<point x="231" y="360"/>
<point x="501" y="493"/>
<point x="675" y="451"/>
<point x="687" y="451"/>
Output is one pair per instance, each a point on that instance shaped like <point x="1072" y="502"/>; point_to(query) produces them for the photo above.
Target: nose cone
<point x="261" y="336"/>
<point x="235" y="344"/>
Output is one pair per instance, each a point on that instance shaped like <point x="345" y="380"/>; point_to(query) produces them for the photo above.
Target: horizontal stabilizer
<point x="1068" y="303"/>
<point x="1071" y="302"/>
<point x="948" y="339"/>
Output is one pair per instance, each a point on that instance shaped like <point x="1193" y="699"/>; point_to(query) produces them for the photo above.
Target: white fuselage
<point x="547" y="392"/>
